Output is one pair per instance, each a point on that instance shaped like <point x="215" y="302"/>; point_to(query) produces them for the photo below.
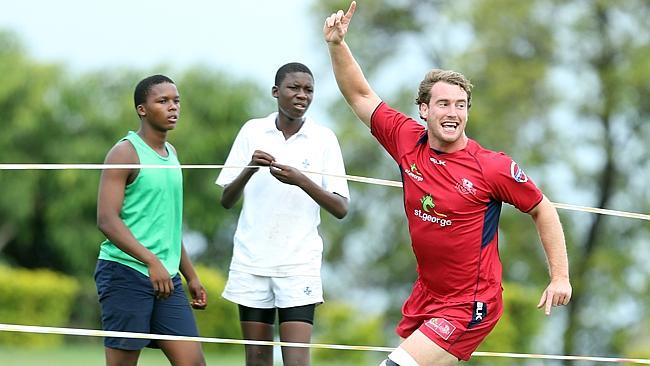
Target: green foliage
<point x="214" y="107"/>
<point x="220" y="319"/>
<point x="560" y="86"/>
<point x="520" y="320"/>
<point x="35" y="297"/>
<point x="339" y="323"/>
<point x="49" y="219"/>
<point x="634" y="341"/>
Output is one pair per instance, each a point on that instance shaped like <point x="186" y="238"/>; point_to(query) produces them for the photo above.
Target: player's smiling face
<point x="446" y="115"/>
<point x="294" y="94"/>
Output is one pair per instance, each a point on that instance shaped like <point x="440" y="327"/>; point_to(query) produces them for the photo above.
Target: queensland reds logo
<point x="517" y="173"/>
<point x="441" y="327"/>
<point x="466" y="187"/>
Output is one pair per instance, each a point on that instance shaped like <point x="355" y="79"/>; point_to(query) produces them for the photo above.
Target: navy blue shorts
<point x="128" y="304"/>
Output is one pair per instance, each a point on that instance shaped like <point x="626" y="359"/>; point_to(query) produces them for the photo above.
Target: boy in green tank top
<point x="140" y="211"/>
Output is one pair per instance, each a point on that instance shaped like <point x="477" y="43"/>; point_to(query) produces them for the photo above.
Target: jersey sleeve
<point x="333" y="164"/>
<point x="510" y="184"/>
<point x="394" y="130"/>
<point x="240" y="155"/>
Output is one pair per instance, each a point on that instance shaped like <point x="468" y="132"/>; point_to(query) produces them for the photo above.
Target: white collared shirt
<point x="277" y="231"/>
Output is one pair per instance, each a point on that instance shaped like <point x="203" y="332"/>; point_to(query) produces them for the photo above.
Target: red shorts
<point x="457" y="327"/>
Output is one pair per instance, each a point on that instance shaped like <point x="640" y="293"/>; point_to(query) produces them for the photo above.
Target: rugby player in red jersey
<point x="453" y="192"/>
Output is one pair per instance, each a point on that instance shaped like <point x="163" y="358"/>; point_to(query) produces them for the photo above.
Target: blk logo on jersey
<point x="438" y="162"/>
<point x="441" y="327"/>
<point x="414" y="173"/>
<point x="517" y="173"/>
<point x="306" y="164"/>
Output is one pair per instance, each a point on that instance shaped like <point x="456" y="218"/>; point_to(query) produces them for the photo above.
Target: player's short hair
<point x="144" y="87"/>
<point x="447" y="76"/>
<point x="288" y="69"/>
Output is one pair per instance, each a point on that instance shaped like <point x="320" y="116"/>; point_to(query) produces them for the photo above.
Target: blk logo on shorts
<point x="441" y="327"/>
<point x="478" y="313"/>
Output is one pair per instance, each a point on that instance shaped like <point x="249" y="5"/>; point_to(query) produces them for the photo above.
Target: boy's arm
<point x="112" y="185"/>
<point x="197" y="291"/>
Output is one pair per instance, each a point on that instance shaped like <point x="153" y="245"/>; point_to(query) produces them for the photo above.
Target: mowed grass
<point x="93" y="354"/>
<point x="89" y="354"/>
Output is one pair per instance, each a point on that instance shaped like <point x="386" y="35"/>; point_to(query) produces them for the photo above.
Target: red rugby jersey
<point x="452" y="203"/>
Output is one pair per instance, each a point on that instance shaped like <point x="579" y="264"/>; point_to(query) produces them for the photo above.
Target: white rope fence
<point x="352" y="178"/>
<point x="103" y="333"/>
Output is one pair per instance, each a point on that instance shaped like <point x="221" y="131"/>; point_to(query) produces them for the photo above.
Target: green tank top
<point x="152" y="210"/>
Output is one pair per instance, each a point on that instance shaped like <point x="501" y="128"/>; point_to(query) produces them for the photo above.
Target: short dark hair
<point x="290" y="68"/>
<point x="145" y="85"/>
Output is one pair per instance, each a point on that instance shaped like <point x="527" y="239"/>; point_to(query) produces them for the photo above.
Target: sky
<point x="247" y="39"/>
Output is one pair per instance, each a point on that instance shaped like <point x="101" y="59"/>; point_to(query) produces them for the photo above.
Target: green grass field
<point x="86" y="355"/>
<point x="93" y="354"/>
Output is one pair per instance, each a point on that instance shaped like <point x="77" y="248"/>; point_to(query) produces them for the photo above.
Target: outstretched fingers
<point x="348" y="15"/>
<point x="336" y="25"/>
<point x="342" y="20"/>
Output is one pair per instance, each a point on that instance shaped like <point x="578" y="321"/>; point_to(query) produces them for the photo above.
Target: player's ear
<point x="424" y="111"/>
<point x="141" y="110"/>
<point x="275" y="91"/>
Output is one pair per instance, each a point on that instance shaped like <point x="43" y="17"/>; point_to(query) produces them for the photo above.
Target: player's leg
<point x="452" y="332"/>
<point x="126" y="301"/>
<point x="419" y="350"/>
<point x="296" y="298"/>
<point x="416" y="349"/>
<point x="183" y="353"/>
<point x="120" y="357"/>
<point x="173" y="316"/>
<point x="296" y="325"/>
<point x="254" y="296"/>
<point x="257" y="325"/>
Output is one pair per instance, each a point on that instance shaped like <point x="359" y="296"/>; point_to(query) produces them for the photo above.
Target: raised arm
<point x="349" y="77"/>
<point x="558" y="292"/>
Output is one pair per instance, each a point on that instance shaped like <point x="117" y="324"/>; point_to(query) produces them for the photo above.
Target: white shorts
<point x="263" y="292"/>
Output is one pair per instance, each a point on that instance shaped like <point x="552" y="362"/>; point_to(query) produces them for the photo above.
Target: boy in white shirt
<point x="277" y="249"/>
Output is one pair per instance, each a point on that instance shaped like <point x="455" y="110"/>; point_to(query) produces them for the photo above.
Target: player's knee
<point x="399" y="357"/>
<point x="259" y="355"/>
